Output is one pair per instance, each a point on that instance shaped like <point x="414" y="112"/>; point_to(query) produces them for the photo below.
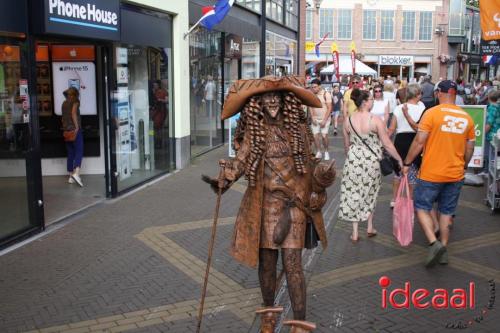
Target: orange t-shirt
<point x="449" y="129"/>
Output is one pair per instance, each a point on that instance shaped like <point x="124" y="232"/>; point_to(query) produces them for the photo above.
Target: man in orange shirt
<point x="446" y="134"/>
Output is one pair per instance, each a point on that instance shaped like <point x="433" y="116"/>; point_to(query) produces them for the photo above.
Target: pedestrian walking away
<point x="72" y="127"/>
<point x="364" y="136"/>
<point x="338" y="104"/>
<point x="492" y="126"/>
<point x="321" y="118"/>
<point x="405" y="124"/>
<point x="446" y="134"/>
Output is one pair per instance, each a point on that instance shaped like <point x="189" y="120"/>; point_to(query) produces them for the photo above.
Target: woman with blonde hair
<point x="401" y="93"/>
<point x="390" y="96"/>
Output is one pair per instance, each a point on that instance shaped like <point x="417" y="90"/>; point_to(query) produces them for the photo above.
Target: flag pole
<point x="192" y="28"/>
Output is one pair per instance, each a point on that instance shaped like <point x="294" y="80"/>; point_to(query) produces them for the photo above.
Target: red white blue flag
<point x="213" y="15"/>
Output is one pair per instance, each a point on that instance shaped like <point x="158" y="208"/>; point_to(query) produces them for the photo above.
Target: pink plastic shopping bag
<point x="402" y="216"/>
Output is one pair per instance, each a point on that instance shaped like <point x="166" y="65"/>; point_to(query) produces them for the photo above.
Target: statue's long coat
<point x="246" y="236"/>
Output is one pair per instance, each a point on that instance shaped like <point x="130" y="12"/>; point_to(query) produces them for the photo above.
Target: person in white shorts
<point x="321" y="118"/>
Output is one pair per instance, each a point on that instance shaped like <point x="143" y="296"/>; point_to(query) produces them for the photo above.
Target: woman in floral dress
<point x="361" y="177"/>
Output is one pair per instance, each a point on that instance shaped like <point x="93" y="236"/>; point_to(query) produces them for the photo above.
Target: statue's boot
<point x="300" y="326"/>
<point x="268" y="318"/>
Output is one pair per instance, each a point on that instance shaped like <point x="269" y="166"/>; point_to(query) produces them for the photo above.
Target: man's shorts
<point x="445" y="194"/>
<point x="316" y="129"/>
<point x="335" y="114"/>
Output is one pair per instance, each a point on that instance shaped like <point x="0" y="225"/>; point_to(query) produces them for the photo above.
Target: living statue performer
<point x="286" y="187"/>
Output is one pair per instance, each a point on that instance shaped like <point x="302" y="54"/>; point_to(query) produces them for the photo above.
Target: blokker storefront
<point x="118" y="56"/>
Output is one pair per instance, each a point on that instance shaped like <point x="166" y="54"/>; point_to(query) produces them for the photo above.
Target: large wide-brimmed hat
<point x="242" y="90"/>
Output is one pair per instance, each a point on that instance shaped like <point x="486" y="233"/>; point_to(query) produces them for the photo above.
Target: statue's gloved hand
<point x="323" y="176"/>
<point x="214" y="183"/>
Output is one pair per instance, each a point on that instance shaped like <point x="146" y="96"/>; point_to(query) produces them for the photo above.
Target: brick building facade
<point x="405" y="38"/>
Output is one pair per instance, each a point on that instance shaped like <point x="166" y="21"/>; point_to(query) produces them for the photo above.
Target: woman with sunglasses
<point x="380" y="105"/>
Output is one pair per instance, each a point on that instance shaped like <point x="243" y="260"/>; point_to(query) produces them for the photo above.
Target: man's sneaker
<point x="327" y="156"/>
<point x="70" y="180"/>
<point x="444" y="258"/>
<point x="435" y="252"/>
<point x="77" y="179"/>
<point x="319" y="155"/>
<point x="335" y="132"/>
<point x="392" y="204"/>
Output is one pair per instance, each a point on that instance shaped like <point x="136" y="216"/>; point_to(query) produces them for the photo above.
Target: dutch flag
<point x="213" y="15"/>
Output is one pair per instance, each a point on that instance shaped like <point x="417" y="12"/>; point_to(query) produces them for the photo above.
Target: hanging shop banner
<point x="490" y="19"/>
<point x="233" y="122"/>
<point x="85" y="18"/>
<point x="80" y="75"/>
<point x="478" y="114"/>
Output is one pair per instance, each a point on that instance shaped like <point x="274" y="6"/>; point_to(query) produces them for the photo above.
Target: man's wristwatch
<point x="406" y="164"/>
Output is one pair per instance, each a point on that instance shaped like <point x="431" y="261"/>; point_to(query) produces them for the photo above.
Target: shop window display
<point x="206" y="90"/>
<point x="14" y="137"/>
<point x="142" y="114"/>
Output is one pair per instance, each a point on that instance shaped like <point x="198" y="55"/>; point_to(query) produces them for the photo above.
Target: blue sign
<point x="84" y="18"/>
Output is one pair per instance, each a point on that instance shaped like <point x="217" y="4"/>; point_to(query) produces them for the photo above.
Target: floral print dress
<point x="361" y="178"/>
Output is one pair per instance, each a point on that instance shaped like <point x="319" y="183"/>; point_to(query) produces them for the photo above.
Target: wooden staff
<point x="220" y="183"/>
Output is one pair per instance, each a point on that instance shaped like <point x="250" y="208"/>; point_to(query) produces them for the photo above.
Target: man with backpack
<point x="321" y="118"/>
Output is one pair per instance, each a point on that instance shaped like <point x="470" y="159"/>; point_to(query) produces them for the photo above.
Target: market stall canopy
<point x="422" y="69"/>
<point x="346" y="67"/>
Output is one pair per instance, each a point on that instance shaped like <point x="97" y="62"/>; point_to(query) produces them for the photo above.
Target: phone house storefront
<point x="119" y="58"/>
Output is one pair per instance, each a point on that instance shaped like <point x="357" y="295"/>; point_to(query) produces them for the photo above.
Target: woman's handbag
<point x="70" y="136"/>
<point x="386" y="163"/>
<point x="402" y="215"/>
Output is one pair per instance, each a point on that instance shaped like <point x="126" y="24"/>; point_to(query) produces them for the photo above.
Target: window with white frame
<point x="309" y="24"/>
<point x="292" y="13"/>
<point x="344" y="28"/>
<point x="408" y="27"/>
<point x="425" y="29"/>
<point x="387" y="24"/>
<point x="326" y="22"/>
<point x="369" y="24"/>
<point x="252" y="4"/>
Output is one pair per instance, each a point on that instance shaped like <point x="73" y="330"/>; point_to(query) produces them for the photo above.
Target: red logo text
<point x="422" y="298"/>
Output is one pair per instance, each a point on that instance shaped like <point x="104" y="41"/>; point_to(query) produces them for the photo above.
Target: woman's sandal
<point x="373" y="233"/>
<point x="354" y="241"/>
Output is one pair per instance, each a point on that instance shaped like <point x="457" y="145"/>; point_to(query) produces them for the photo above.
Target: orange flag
<point x="490" y="18"/>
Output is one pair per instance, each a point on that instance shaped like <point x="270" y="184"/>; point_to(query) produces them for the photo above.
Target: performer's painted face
<point x="271" y="103"/>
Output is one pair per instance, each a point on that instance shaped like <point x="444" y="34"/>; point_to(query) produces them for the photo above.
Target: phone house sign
<point x="86" y="18"/>
<point x="395" y="60"/>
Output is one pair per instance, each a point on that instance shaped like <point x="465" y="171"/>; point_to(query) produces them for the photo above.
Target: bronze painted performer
<point x="286" y="187"/>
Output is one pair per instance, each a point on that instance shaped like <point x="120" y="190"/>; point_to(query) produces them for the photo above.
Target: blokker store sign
<point x="395" y="60"/>
<point x="85" y="18"/>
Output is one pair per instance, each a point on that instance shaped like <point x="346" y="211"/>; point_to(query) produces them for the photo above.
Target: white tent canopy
<point x="346" y="67"/>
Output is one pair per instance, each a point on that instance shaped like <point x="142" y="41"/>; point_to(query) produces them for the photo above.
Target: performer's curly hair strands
<point x="254" y="123"/>
<point x="252" y="120"/>
<point x="294" y="117"/>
